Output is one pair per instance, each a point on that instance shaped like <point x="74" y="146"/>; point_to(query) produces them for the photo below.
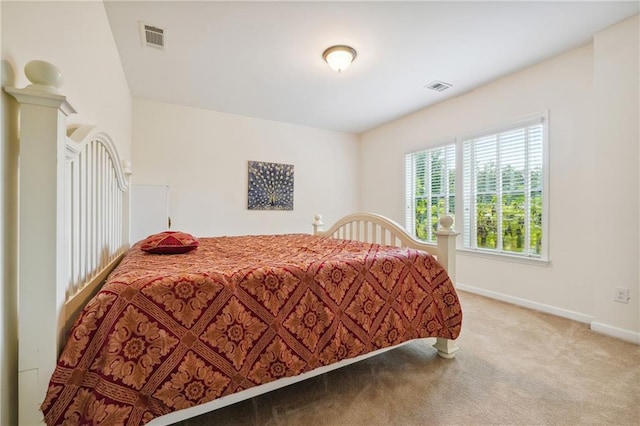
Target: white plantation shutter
<point x="410" y="176"/>
<point x="430" y="178"/>
<point x="502" y="187"/>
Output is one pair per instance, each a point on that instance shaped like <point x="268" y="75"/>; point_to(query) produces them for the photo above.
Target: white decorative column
<point x="42" y="253"/>
<point x="446" y="237"/>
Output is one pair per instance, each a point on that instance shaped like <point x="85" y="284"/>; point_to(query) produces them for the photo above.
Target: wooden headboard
<point x="73" y="226"/>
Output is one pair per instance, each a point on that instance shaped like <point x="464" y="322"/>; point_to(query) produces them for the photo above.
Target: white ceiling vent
<point x="438" y="86"/>
<point x="152" y="36"/>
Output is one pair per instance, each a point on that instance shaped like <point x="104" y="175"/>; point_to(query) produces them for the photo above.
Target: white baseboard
<point x="620" y="333"/>
<point x="565" y="313"/>
<point x="626" y="335"/>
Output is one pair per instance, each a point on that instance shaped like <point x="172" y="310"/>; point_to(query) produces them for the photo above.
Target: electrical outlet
<point x="621" y="295"/>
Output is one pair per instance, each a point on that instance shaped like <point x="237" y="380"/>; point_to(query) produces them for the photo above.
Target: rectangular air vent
<point x="438" y="86"/>
<point x="152" y="36"/>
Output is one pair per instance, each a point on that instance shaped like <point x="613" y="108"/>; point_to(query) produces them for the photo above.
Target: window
<point x="430" y="189"/>
<point x="501" y="178"/>
<point x="502" y="188"/>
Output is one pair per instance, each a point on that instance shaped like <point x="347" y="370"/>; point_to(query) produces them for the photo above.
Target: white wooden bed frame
<point x="74" y="229"/>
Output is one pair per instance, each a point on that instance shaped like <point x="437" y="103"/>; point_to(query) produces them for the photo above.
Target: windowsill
<point x="504" y="257"/>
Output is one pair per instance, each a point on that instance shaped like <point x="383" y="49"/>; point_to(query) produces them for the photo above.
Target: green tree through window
<point x="502" y="191"/>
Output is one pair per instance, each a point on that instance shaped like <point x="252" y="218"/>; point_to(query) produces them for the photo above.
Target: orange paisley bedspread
<point x="167" y="332"/>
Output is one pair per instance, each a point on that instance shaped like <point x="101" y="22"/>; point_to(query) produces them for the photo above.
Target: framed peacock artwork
<point x="270" y="186"/>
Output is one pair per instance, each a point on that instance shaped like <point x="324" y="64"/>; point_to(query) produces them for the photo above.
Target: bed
<point x="112" y="334"/>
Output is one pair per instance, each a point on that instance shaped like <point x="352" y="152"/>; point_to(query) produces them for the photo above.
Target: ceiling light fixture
<point x="339" y="57"/>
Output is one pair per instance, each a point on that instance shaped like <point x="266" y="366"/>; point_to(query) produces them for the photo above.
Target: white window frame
<point x="543" y="258"/>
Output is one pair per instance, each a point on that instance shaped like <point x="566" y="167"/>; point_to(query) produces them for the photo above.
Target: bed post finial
<point x="43" y="76"/>
<point x="317" y="224"/>
<point x="445" y="222"/>
<point x="46" y="80"/>
<point x="446" y="237"/>
<point x="126" y="228"/>
<point x="126" y="167"/>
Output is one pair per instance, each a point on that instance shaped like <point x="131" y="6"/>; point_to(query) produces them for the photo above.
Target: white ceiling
<point x="264" y="59"/>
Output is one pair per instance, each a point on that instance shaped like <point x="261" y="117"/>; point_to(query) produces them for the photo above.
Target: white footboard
<point x="376" y="229"/>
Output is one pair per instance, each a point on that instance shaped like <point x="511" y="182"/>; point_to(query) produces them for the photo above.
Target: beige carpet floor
<point x="515" y="367"/>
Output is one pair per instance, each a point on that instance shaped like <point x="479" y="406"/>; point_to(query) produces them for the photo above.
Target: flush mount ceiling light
<point x="339" y="57"/>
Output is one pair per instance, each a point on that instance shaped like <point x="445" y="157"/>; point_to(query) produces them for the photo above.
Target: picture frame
<point x="270" y="186"/>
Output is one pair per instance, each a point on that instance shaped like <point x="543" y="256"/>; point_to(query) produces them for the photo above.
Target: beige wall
<point x="202" y="156"/>
<point x="617" y="140"/>
<point x="76" y="37"/>
<point x="565" y="87"/>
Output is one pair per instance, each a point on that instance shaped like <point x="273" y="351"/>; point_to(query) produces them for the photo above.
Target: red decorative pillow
<point x="169" y="242"/>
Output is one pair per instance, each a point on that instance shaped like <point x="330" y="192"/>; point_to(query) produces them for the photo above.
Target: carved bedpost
<point x="446" y="237"/>
<point x="42" y="266"/>
<point x="317" y="224"/>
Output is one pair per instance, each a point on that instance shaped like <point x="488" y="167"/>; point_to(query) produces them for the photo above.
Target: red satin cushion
<point x="169" y="242"/>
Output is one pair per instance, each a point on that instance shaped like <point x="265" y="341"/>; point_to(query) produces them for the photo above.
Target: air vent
<point x="438" y="86"/>
<point x="152" y="36"/>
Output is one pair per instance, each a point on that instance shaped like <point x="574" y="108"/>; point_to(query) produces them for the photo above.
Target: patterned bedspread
<point x="167" y="332"/>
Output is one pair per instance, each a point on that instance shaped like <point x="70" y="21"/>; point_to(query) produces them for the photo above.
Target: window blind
<point x="502" y="190"/>
<point x="430" y="181"/>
